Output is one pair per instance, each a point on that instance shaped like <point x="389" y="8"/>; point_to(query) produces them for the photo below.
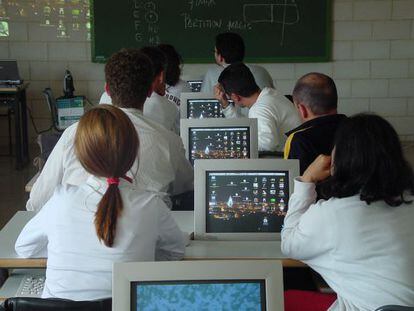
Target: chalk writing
<point x="190" y="22"/>
<point x="201" y="3"/>
<point x="284" y="12"/>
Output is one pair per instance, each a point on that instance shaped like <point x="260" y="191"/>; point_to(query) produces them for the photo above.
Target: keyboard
<point x="31" y="286"/>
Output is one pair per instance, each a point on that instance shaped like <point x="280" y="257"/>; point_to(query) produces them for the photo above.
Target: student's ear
<point x="221" y="59"/>
<point x="107" y="89"/>
<point x="160" y="86"/>
<point x="303" y="111"/>
<point x="152" y="87"/>
<point x="236" y="98"/>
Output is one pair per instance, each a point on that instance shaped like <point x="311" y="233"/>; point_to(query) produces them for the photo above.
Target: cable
<point x="34" y="125"/>
<point x="88" y="102"/>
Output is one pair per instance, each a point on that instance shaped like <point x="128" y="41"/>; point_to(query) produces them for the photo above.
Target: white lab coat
<point x="275" y="116"/>
<point x="364" y="252"/>
<point x="79" y="266"/>
<point x="159" y="109"/>
<point x="161" y="165"/>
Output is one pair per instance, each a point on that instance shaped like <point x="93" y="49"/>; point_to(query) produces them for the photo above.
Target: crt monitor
<point x="219" y="138"/>
<point x="200" y="106"/>
<point x="195" y="85"/>
<point x="242" y="199"/>
<point x="198" y="285"/>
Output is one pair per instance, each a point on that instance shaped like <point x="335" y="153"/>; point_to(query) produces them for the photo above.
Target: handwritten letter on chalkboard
<point x="273" y="30"/>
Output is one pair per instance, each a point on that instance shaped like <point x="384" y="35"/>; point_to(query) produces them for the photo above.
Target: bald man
<point x="316" y="99"/>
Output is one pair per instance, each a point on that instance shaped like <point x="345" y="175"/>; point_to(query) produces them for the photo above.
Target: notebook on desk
<point x="9" y="73"/>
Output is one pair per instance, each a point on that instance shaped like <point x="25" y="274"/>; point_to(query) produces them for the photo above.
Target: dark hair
<point x="106" y="144"/>
<point x="157" y="57"/>
<point x="369" y="161"/>
<point x="317" y="91"/>
<point x="174" y="60"/>
<point x="129" y="75"/>
<point x="230" y="46"/>
<point x="238" y="79"/>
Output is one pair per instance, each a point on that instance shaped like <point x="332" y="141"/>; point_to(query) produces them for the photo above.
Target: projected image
<point x="219" y="143"/>
<point x="246" y="201"/>
<point x="204" y="108"/>
<point x="65" y="16"/>
<point x="248" y="295"/>
<point x="4" y="29"/>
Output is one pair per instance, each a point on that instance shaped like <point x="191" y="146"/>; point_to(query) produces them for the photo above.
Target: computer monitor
<point x="9" y="73"/>
<point x="242" y="199"/>
<point x="198" y="285"/>
<point x="195" y="85"/>
<point x="219" y="138"/>
<point x="200" y="106"/>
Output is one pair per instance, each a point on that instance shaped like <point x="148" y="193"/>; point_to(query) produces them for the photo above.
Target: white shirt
<point x="161" y="110"/>
<point x="105" y="99"/>
<point x="161" y="164"/>
<point x="261" y="76"/>
<point x="173" y="93"/>
<point x="79" y="266"/>
<point x="275" y="116"/>
<point x="364" y="252"/>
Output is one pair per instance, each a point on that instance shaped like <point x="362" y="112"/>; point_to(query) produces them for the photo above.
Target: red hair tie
<point x="115" y="180"/>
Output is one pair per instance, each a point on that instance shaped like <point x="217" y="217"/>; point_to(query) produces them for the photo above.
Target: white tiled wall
<point x="373" y="62"/>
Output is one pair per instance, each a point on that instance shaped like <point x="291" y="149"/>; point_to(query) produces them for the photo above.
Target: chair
<point x="51" y="102"/>
<point x="394" y="308"/>
<point x="52" y="304"/>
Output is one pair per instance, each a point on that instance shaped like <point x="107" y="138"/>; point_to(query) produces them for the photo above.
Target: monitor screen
<point x="246" y="201"/>
<point x="195" y="85"/>
<point x="203" y="108"/>
<point x="219" y="143"/>
<point x="199" y="295"/>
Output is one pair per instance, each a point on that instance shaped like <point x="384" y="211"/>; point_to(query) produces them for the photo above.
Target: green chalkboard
<point x="273" y="30"/>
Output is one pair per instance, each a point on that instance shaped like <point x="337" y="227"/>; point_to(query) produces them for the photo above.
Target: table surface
<point x="13" y="89"/>
<point x="196" y="250"/>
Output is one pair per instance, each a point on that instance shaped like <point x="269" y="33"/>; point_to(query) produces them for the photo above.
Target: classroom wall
<point x="373" y="61"/>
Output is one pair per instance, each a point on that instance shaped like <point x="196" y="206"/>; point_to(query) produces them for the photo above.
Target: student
<point x="84" y="229"/>
<point x="174" y="85"/>
<point x="362" y="239"/>
<point x="275" y="113"/>
<point x="229" y="49"/>
<point x="162" y="166"/>
<point x="157" y="107"/>
<point x="316" y="99"/>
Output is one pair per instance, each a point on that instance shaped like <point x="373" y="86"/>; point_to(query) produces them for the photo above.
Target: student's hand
<point x="220" y="95"/>
<point x="319" y="170"/>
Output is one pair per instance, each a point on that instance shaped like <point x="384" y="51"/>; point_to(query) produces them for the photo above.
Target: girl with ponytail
<point x="84" y="229"/>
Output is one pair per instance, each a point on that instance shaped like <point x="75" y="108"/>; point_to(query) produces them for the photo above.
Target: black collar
<point x="331" y="118"/>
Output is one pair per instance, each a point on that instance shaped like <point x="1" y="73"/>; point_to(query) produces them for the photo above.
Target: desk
<point x="15" y="98"/>
<point x="197" y="250"/>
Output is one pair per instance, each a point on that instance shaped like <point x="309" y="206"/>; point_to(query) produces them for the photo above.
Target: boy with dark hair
<point x="158" y="107"/>
<point x="275" y="114"/>
<point x="230" y="49"/>
<point x="161" y="165"/>
<point x="316" y="99"/>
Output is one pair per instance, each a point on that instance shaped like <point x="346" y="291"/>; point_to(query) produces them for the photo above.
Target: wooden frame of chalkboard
<point x="273" y="30"/>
